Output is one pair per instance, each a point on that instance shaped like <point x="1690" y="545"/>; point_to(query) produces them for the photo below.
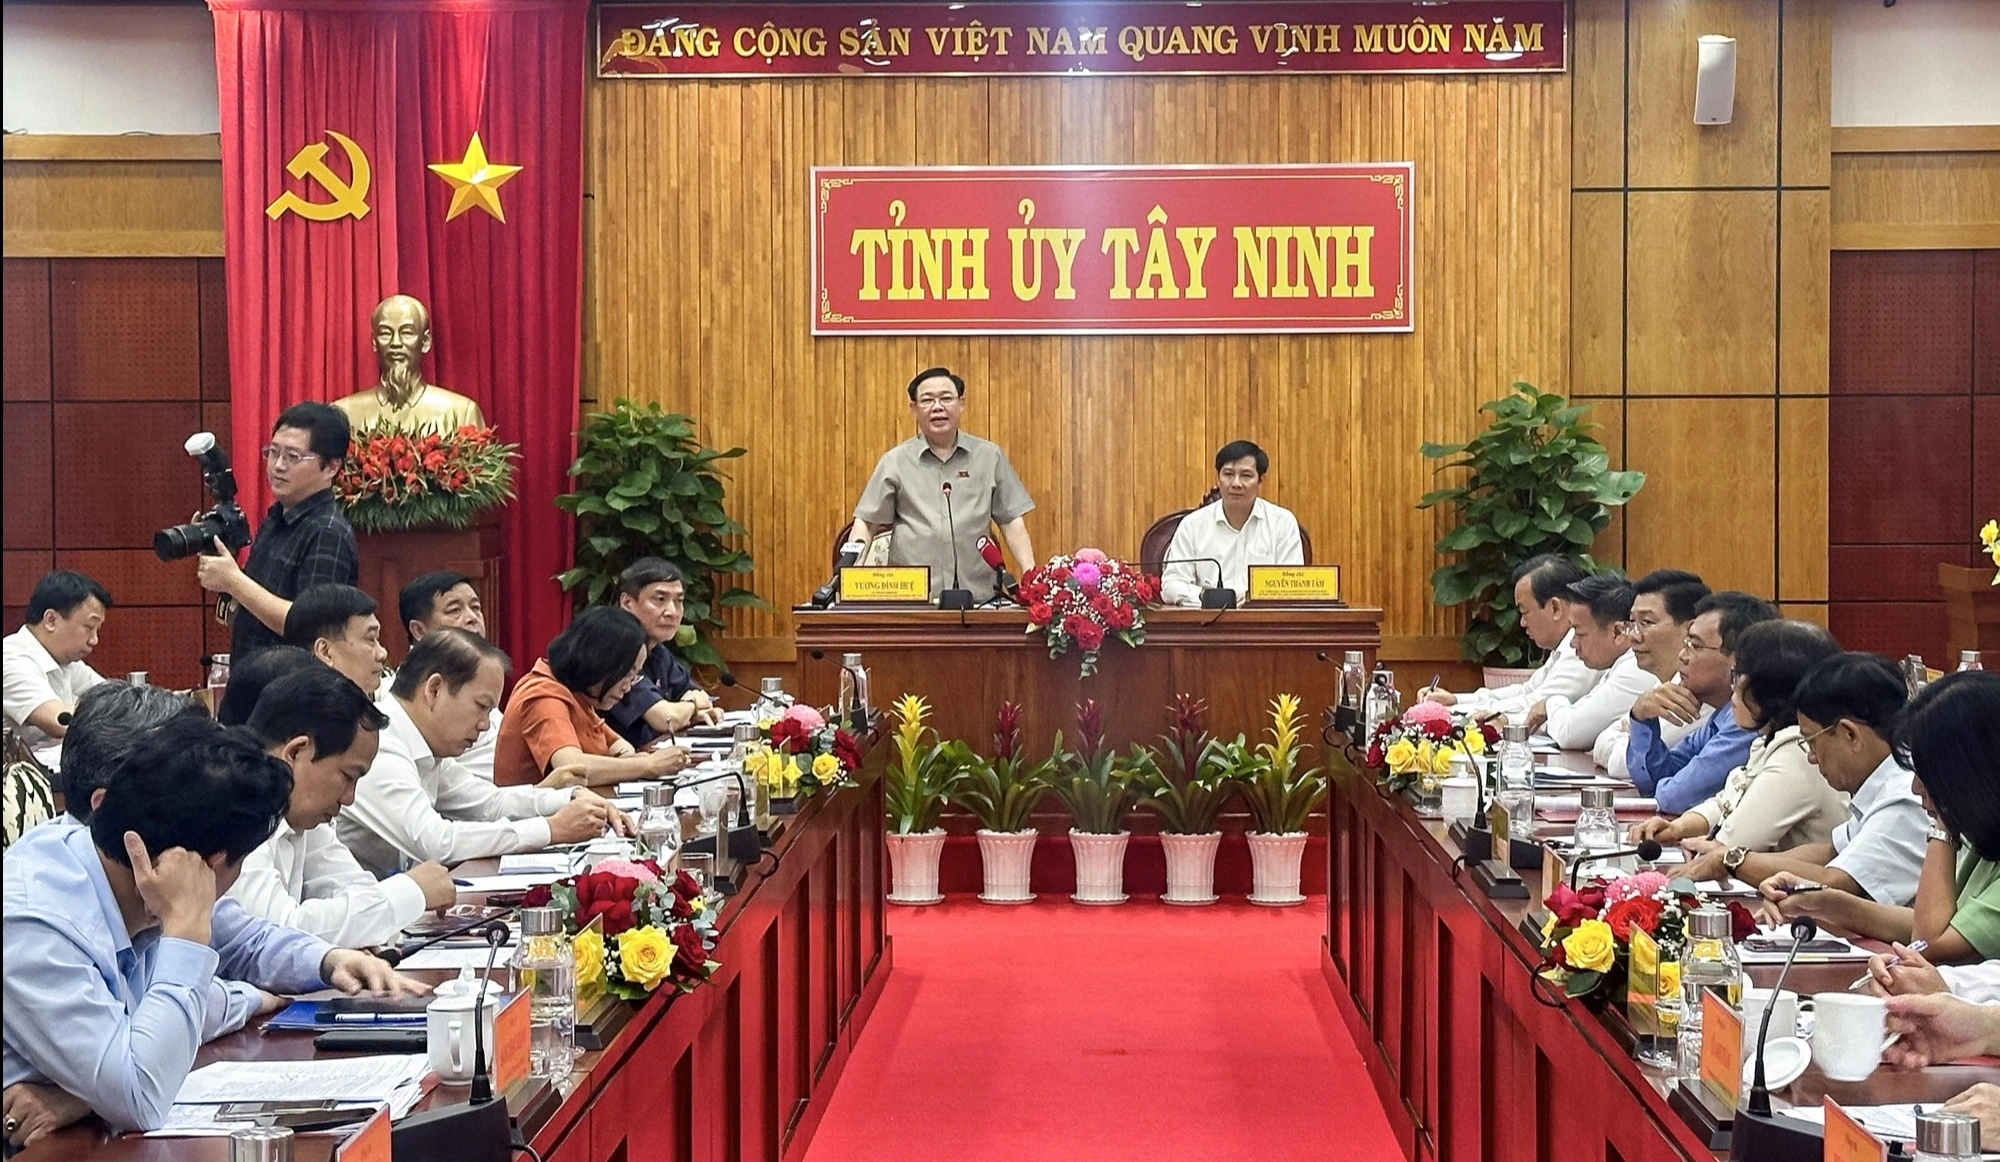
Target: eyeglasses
<point x="286" y="457"/>
<point x="1808" y="740"/>
<point x="931" y="401"/>
<point x="1626" y="629"/>
<point x="1694" y="647"/>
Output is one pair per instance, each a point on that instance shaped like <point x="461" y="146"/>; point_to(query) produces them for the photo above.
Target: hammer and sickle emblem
<point x="349" y="198"/>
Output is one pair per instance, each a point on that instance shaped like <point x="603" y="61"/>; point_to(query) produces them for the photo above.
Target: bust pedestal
<point x="391" y="560"/>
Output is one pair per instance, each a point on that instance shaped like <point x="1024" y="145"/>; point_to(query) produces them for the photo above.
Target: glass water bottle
<point x="1512" y="816"/>
<point x="1969" y="660"/>
<point x="545" y="966"/>
<point x="659" y="826"/>
<point x="1710" y="959"/>
<point x="853" y="705"/>
<point x="1596" y="823"/>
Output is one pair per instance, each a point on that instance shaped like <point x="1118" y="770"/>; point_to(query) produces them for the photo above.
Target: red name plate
<point x="983" y="250"/>
<point x="1148" y="37"/>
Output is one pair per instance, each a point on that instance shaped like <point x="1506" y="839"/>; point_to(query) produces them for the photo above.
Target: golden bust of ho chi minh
<point x="401" y="331"/>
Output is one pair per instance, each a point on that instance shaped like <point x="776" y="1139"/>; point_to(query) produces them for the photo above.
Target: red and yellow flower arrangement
<point x="1085" y="598"/>
<point x="645" y="936"/>
<point x="396" y="479"/>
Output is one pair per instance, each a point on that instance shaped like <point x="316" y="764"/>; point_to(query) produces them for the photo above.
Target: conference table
<point x="1472" y="1059"/>
<point x="740" y="1068"/>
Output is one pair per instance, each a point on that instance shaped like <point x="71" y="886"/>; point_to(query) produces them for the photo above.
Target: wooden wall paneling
<point x="99" y="510"/>
<point x="1609" y="416"/>
<point x="1597" y="294"/>
<point x="1915" y="138"/>
<point x="25" y="372"/>
<point x="1813" y="611"/>
<point x="1985" y="470"/>
<point x="1107" y="432"/>
<point x="1900" y="201"/>
<point x="1892" y="628"/>
<point x="214" y="308"/>
<point x="1701" y="283"/>
<point x="1802" y="499"/>
<point x="1892" y="572"/>
<point x="1803" y="281"/>
<point x="1986" y="323"/>
<point x="126" y="329"/>
<point x="69" y="208"/>
<point x="30" y="476"/>
<point x="163" y="640"/>
<point x="1708" y="501"/>
<point x="1805" y="92"/>
<point x="23" y="567"/>
<point x="1905" y="463"/>
<point x="1666" y="147"/>
<point x="1597" y="93"/>
<point x="1901" y="322"/>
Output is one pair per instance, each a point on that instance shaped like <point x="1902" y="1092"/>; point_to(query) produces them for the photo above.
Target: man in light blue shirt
<point x="1695" y="769"/>
<point x="114" y="937"/>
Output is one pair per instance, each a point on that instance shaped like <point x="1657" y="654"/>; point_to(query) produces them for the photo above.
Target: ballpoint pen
<point x="1895" y="959"/>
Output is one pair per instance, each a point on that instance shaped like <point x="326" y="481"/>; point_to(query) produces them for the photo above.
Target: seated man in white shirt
<point x="1846" y="707"/>
<point x="417" y="803"/>
<point x="1541" y="592"/>
<point x="1223" y="538"/>
<point x="327" y="731"/>
<point x="1663" y="603"/>
<point x="1600" y="616"/>
<point x="447" y="600"/>
<point x="45" y="672"/>
<point x="337" y="625"/>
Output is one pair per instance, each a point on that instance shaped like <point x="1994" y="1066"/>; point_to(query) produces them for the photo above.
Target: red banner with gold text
<point x="991" y="250"/>
<point x="1045" y="39"/>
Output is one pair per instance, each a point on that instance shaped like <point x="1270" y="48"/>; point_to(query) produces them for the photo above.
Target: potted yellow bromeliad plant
<point x="1280" y="792"/>
<point x="1002" y="790"/>
<point x="915" y="788"/>
<point x="1187" y="788"/>
<point x="1096" y="785"/>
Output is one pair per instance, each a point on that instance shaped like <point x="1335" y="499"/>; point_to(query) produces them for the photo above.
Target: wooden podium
<point x="390" y="560"/>
<point x="966" y="665"/>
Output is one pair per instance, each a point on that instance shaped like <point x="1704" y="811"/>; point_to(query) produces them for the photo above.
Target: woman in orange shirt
<point x="553" y="731"/>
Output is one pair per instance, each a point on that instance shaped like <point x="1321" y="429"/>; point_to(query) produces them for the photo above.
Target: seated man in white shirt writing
<point x="45" y="672"/>
<point x="417" y="803"/>
<point x="1238" y="529"/>
<point x="328" y="732"/>
<point x="1541" y="592"/>
<point x="1600" y="616"/>
<point x="447" y="600"/>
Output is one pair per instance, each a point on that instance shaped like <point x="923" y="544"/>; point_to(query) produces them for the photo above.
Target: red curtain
<point x="409" y="83"/>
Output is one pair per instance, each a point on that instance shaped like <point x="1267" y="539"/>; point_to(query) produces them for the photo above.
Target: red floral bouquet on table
<point x="806" y="751"/>
<point x="397" y="479"/>
<point x="646" y="934"/>
<point x="1083" y="599"/>
<point x="1419" y="743"/>
<point x="1587" y="938"/>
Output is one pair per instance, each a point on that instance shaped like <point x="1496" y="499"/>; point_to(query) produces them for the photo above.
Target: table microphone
<point x="1647" y="850"/>
<point x="396" y="956"/>
<point x="482" y="1084"/>
<point x="990" y="553"/>
<point x="849" y="554"/>
<point x="1216" y="598"/>
<point x="1757" y="1133"/>
<point x="957" y="597"/>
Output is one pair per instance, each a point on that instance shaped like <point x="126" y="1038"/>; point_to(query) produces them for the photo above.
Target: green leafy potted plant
<point x="1280" y="795"/>
<point x="646" y="487"/>
<point x="915" y="788"/>
<point x="1187" y="788"/>
<point x="1096" y="785"/>
<point x="1536" y="482"/>
<point x="1002" y="790"/>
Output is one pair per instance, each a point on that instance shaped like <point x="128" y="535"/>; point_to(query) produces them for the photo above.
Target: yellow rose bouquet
<point x="634" y="926"/>
<point x="1419" y="743"/>
<point x="806" y="753"/>
<point x="1587" y="935"/>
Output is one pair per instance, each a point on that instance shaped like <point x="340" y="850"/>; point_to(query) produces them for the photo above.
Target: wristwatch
<point x="1733" y="858"/>
<point x="1938" y="834"/>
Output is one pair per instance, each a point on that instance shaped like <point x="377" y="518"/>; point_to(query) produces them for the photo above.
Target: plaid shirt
<point x="310" y="545"/>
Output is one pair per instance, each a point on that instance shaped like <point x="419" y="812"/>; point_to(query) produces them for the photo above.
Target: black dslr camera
<point x="224" y="522"/>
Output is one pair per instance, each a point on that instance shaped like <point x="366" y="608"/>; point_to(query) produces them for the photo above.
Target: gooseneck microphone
<point x="482" y="1083"/>
<point x="957" y="597"/>
<point x="1216" y="598"/>
<point x="1803" y="929"/>
<point x="396" y="956"/>
<point x="1758" y="1135"/>
<point x="1647" y="850"/>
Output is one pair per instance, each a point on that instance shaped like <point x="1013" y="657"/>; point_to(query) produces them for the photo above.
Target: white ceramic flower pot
<point x="1100" y="866"/>
<point x="1274" y="868"/>
<point x="1006" y="857"/>
<point x="1190" y="867"/>
<point x="913" y="867"/>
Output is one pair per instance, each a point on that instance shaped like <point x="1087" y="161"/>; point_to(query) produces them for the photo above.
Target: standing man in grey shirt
<point x="907" y="493"/>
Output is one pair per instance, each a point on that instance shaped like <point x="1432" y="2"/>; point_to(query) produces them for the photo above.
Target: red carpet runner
<point x="1141" y="1032"/>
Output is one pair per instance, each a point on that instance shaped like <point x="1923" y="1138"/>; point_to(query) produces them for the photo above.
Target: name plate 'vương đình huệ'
<point x="886" y="584"/>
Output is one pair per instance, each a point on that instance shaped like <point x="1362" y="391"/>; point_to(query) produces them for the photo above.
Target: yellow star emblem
<point x="475" y="181"/>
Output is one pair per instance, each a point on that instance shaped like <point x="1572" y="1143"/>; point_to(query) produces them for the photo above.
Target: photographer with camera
<point x="304" y="540"/>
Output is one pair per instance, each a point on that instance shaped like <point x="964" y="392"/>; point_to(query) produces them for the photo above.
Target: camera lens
<point x="172" y="544"/>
